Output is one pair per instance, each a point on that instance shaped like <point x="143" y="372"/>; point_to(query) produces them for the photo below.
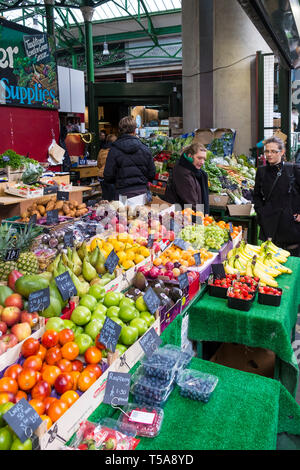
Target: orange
<point x="7" y="384"/>
<point x="33" y="362"/>
<point x="37" y="405"/>
<point x="191" y="261"/>
<point x="92" y="355"/>
<point x="27" y="379"/>
<point x="50" y="374"/>
<point x="74" y="374"/>
<point x="49" y="422"/>
<point x="56" y="410"/>
<point x="85" y="380"/>
<point x="70" y="350"/>
<point x="69" y="397"/>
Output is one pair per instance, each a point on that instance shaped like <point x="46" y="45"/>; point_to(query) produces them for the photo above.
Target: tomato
<point x="37" y="405"/>
<point x="7" y="384"/>
<point x="20" y="394"/>
<point x="6" y="397"/>
<point x="95" y="368"/>
<point x="77" y="365"/>
<point x="48" y="401"/>
<point x="41" y="390"/>
<point x="41" y="352"/>
<point x="85" y="380"/>
<point x="50" y="374"/>
<point x="69" y="397"/>
<point x="13" y="371"/>
<point x="65" y="365"/>
<point x="53" y="355"/>
<point x="93" y="355"/>
<point x="27" y="379"/>
<point x="30" y="347"/>
<point x="33" y="362"/>
<point x="56" y="410"/>
<point x="70" y="350"/>
<point x="50" y="339"/>
<point x="98" y="344"/>
<point x="48" y="420"/>
<point x="65" y="336"/>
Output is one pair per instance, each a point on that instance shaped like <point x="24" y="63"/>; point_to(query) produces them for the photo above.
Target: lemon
<point x="138" y="259"/>
<point x="127" y="264"/>
<point x="108" y="247"/>
<point x="121" y="255"/>
<point x="130" y="255"/>
<point x="144" y="251"/>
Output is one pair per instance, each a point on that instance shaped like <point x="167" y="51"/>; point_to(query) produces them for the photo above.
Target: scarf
<point x="201" y="177"/>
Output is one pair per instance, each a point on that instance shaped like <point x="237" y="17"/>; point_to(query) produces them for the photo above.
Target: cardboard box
<point x="242" y="209"/>
<point x="238" y="356"/>
<point x="218" y="200"/>
<point x="176" y="122"/>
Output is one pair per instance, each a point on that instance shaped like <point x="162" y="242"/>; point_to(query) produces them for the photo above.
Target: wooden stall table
<point x="13" y="205"/>
<point x="86" y="171"/>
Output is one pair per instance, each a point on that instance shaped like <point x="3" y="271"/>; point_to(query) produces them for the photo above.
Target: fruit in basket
<point x="14" y="300"/>
<point x="21" y="331"/>
<point x="5" y="291"/>
<point x="28" y="263"/>
<point x="129" y="335"/>
<point x="55" y="323"/>
<point x="93" y="328"/>
<point x="88" y="301"/>
<point x="83" y="341"/>
<point x="12" y="277"/>
<point x="63" y="383"/>
<point x="30" y="347"/>
<point x="31" y="318"/>
<point x="3" y="328"/>
<point x="81" y="315"/>
<point x="11" y="315"/>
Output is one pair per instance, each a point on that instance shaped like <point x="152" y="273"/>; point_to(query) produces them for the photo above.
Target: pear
<point x="69" y="253"/>
<point x="54" y="264"/>
<point x="81" y="287"/>
<point x="100" y="268"/>
<point x="93" y="256"/>
<point x="88" y="271"/>
<point x="75" y="258"/>
<point x="82" y="252"/>
<point x="101" y="257"/>
<point x="76" y="269"/>
<point x="61" y="268"/>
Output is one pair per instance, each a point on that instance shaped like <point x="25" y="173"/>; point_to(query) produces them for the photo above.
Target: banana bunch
<point x="263" y="262"/>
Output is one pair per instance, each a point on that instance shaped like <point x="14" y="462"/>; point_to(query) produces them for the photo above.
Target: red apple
<point x="10" y="340"/>
<point x="41" y="390"/>
<point x="11" y="315"/>
<point x="3" y="328"/>
<point x="63" y="383"/>
<point x="21" y="330"/>
<point x="3" y="347"/>
<point x="31" y="318"/>
<point x="14" y="300"/>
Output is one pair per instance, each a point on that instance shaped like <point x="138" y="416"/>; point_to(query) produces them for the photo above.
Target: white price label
<point x="142" y="417"/>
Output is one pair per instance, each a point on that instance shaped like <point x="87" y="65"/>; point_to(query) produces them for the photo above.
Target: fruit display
<point x="264" y="262"/>
<point x="65" y="209"/>
<point x="27" y="262"/>
<point x="8" y="438"/>
<point x="160" y="365"/>
<point x="211" y="237"/>
<point x="151" y="390"/>
<point x="196" y="385"/>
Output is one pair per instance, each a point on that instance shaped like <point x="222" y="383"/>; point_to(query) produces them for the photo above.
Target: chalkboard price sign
<point x="39" y="300"/>
<point x="69" y="239"/>
<point x="218" y="271"/>
<point x="50" y="190"/>
<point x="91" y="203"/>
<point x="181" y="244"/>
<point x="117" y="389"/>
<point x="33" y="219"/>
<point x="197" y="257"/>
<point x="183" y="281"/>
<point x="12" y="255"/>
<point x="91" y="229"/>
<point x="230" y="227"/>
<point x="63" y="195"/>
<point x="65" y="285"/>
<point x="23" y="419"/>
<point x="111" y="262"/>
<point x="150" y="342"/>
<point x="52" y="217"/>
<point x="152" y="300"/>
<point x="110" y="333"/>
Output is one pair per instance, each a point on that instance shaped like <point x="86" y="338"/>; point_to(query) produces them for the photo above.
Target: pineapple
<point x="7" y="242"/>
<point x="28" y="261"/>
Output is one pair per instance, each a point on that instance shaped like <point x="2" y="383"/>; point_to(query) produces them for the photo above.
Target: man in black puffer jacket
<point x="129" y="164"/>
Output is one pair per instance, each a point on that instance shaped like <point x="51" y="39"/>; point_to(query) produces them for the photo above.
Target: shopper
<point x="277" y="198"/>
<point x="108" y="190"/>
<point x="189" y="183"/>
<point x="129" y="164"/>
<point x="102" y="139"/>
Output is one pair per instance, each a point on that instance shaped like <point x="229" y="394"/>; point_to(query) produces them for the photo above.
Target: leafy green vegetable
<point x="32" y="174"/>
<point x="14" y="160"/>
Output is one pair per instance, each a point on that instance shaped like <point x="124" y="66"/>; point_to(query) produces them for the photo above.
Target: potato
<point x="41" y="209"/>
<point x="79" y="213"/>
<point x="59" y="205"/>
<point x="75" y="203"/>
<point x="66" y="209"/>
<point x="50" y="206"/>
<point x="25" y="214"/>
<point x="81" y="206"/>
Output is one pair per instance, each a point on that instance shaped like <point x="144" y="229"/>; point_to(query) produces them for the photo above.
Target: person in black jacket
<point x="129" y="164"/>
<point x="277" y="198"/>
<point x="189" y="183"/>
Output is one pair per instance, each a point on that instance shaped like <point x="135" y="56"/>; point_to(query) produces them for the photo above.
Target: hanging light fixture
<point x="105" y="49"/>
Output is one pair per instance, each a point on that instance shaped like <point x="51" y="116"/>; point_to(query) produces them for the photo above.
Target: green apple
<point x="69" y="324"/>
<point x="140" y="304"/>
<point x="128" y="313"/>
<point x="88" y="301"/>
<point x="118" y="320"/>
<point x="120" y="295"/>
<point x="113" y="311"/>
<point x="98" y="316"/>
<point x="126" y="302"/>
<point x="147" y="317"/>
<point x="111" y="299"/>
<point x="129" y="335"/>
<point x="93" y="328"/>
<point x="55" y="323"/>
<point x="6" y="439"/>
<point x="84" y="341"/>
<point x="81" y="315"/>
<point x="97" y="291"/>
<point x="100" y="308"/>
<point x="3" y="409"/>
<point x="140" y="324"/>
<point x="18" y="445"/>
<point x="121" y="348"/>
<point x="78" y="330"/>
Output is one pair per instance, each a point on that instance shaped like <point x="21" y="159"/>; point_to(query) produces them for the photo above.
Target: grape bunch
<point x="195" y="235"/>
<point x="215" y="237"/>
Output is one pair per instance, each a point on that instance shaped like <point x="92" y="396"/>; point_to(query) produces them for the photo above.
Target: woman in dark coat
<point x="129" y="164"/>
<point x="277" y="198"/>
<point x="189" y="184"/>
